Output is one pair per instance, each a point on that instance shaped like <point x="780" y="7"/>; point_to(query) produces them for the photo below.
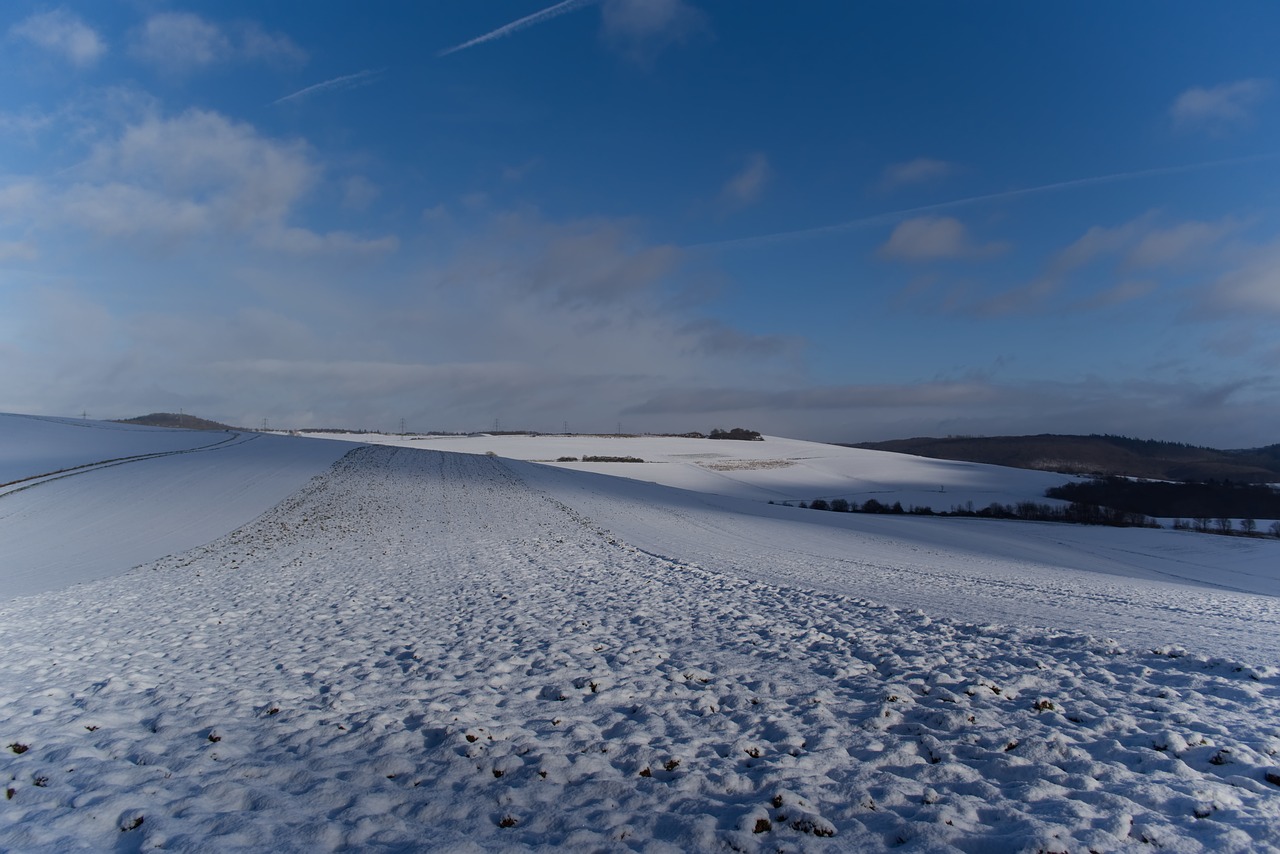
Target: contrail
<point x="891" y="216"/>
<point x="527" y="21"/>
<point x="346" y="81"/>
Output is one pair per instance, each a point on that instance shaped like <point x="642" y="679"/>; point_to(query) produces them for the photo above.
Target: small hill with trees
<point x="173" y="419"/>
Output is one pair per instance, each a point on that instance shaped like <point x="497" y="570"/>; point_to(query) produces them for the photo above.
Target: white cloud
<point x="641" y="27"/>
<point x="165" y="180"/>
<point x="1219" y="108"/>
<point x="919" y="171"/>
<point x="255" y="43"/>
<point x="64" y="33"/>
<point x="1162" y="247"/>
<point x="303" y="241"/>
<point x="203" y="158"/>
<point x="1121" y="293"/>
<point x="17" y="250"/>
<point x="184" y="41"/>
<point x="358" y="193"/>
<point x="181" y="40"/>
<point x="930" y="238"/>
<point x="122" y="210"/>
<point x="1252" y="287"/>
<point x="745" y="187"/>
<point x="590" y="262"/>
<point x="561" y="321"/>
<point x="1136" y="244"/>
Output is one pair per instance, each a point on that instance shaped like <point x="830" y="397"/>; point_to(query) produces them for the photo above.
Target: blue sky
<point x="837" y="221"/>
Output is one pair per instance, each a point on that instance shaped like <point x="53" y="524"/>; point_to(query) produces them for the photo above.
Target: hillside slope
<point x="93" y="499"/>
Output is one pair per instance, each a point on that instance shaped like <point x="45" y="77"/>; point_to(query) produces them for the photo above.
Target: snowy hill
<point x="81" y="500"/>
<point x="417" y="650"/>
<point x="776" y="469"/>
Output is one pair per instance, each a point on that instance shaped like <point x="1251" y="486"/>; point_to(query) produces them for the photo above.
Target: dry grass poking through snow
<point x="421" y="652"/>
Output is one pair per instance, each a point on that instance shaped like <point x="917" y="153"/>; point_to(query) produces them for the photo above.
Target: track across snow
<point x="425" y="651"/>
<point x="111" y="511"/>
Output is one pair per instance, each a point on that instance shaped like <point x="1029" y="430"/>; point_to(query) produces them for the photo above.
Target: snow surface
<point x="431" y="651"/>
<point x="129" y="496"/>
<point x="775" y="469"/>
<point x="32" y="445"/>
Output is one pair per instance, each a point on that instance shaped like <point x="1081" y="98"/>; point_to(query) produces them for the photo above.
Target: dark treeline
<point x="739" y="433"/>
<point x="1208" y="500"/>
<point x="1077" y="512"/>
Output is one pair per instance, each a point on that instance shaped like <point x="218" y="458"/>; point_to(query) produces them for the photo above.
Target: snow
<point x="775" y="469"/>
<point x="133" y="495"/>
<point x="420" y="650"/>
<point x="32" y="445"/>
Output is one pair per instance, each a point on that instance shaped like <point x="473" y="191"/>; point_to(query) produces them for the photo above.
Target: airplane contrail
<point x="547" y="14"/>
<point x="346" y="81"/>
<point x="891" y="216"/>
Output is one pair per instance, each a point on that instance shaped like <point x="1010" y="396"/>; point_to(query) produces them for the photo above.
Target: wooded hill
<point x="173" y="419"/>
<point x="1098" y="455"/>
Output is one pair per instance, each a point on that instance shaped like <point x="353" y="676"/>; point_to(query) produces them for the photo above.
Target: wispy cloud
<point x="935" y="238"/>
<point x="1137" y="244"/>
<point x="1219" y="108"/>
<point x="746" y="186"/>
<point x="918" y="171"/>
<point x="516" y="26"/>
<point x="184" y="41"/>
<point x="62" y="32"/>
<point x="640" y="28"/>
<point x="895" y="216"/>
<point x="339" y="84"/>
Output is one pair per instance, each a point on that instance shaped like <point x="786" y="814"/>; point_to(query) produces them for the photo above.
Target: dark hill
<point x="171" y="419"/>
<point x="1098" y="455"/>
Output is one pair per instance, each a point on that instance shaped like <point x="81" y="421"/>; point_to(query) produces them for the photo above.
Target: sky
<point x="826" y="220"/>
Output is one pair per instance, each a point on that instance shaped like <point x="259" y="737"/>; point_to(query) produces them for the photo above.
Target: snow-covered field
<point x="430" y="651"/>
<point x="774" y="470"/>
<point x="93" y="498"/>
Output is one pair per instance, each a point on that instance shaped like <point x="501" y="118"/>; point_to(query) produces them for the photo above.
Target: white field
<point x="419" y="650"/>
<point x="94" y="498"/>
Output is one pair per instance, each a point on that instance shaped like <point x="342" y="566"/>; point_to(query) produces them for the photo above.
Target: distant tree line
<point x="1031" y="511"/>
<point x="1209" y="500"/>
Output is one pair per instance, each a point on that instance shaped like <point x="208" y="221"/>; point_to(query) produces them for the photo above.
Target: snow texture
<point x="429" y="651"/>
